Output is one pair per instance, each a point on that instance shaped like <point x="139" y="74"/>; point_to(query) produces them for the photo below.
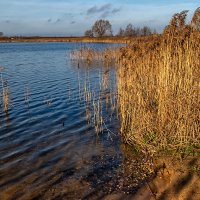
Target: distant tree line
<point x="130" y="30"/>
<point x="103" y="28"/>
<point x="1" y="34"/>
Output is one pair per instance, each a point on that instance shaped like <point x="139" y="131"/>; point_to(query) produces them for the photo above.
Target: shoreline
<point x="66" y="39"/>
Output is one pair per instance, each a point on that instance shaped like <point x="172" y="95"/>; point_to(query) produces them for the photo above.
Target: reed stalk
<point x="157" y="86"/>
<point x="158" y="91"/>
<point x="5" y="93"/>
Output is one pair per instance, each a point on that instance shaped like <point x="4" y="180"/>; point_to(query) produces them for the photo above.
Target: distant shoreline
<point x="66" y="39"/>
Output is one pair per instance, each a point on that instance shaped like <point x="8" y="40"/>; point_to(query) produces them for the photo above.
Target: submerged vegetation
<point x="157" y="86"/>
<point x="5" y="92"/>
<point x="99" y="98"/>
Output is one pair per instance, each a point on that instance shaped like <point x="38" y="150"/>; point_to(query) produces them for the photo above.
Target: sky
<point x="74" y="17"/>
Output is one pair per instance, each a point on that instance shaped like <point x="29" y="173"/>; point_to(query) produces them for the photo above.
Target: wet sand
<point x="158" y="179"/>
<point x="172" y="180"/>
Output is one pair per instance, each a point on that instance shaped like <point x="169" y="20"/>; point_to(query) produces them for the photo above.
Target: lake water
<point x="49" y="146"/>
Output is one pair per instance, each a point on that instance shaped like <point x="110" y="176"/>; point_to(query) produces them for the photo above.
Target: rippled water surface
<point x="48" y="145"/>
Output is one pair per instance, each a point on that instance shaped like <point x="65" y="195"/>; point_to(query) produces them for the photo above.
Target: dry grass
<point x="158" y="89"/>
<point x="158" y="86"/>
<point x="6" y="98"/>
<point x="5" y="92"/>
<point x="90" y="56"/>
<point x="158" y="92"/>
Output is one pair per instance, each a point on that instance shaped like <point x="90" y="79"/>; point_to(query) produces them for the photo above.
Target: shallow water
<point x="46" y="138"/>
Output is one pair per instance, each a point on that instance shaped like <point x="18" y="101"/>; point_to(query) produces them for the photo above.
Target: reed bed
<point x="88" y="56"/>
<point x="158" y="86"/>
<point x="158" y="92"/>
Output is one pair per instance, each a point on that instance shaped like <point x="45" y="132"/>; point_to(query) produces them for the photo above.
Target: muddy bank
<point x="171" y="179"/>
<point x="135" y="177"/>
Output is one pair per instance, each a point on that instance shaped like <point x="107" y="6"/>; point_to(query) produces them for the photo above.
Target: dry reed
<point x="5" y="92"/>
<point x="88" y="56"/>
<point x="158" y="86"/>
<point x="158" y="90"/>
<point x="96" y="97"/>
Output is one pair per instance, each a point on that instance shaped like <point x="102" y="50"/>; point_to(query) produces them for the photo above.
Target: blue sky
<point x="73" y="17"/>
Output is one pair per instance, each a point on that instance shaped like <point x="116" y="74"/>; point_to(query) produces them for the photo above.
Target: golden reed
<point x="158" y="85"/>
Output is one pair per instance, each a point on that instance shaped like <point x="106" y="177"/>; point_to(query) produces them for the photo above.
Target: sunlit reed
<point x="157" y="86"/>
